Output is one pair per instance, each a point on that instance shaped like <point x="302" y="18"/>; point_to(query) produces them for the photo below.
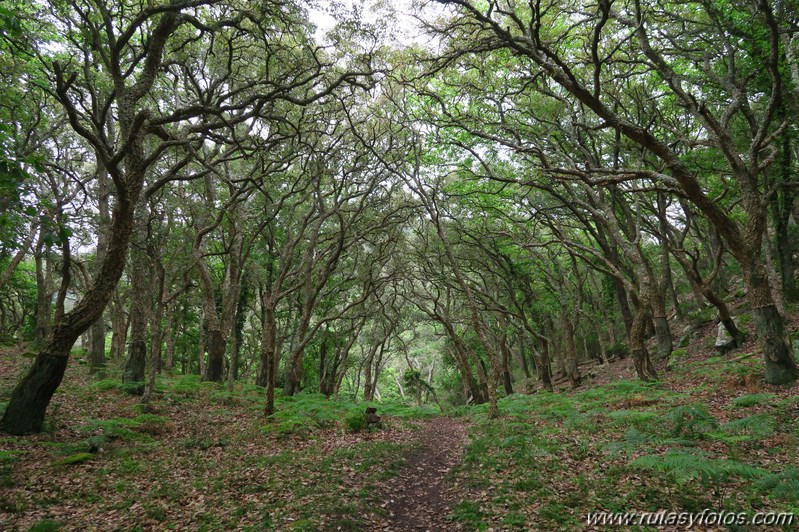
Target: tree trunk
<point x="461" y="357"/>
<point x="25" y="413"/>
<point x="323" y="365"/>
<point x="97" y="352"/>
<point x="26" y="408"/>
<point x="667" y="284"/>
<point x="293" y="370"/>
<point x="603" y="337"/>
<point x="368" y="390"/>
<point x="663" y="335"/>
<point x="505" y="364"/>
<point x="624" y="304"/>
<point x="399" y="385"/>
<point x="661" y="324"/>
<point x="724" y="316"/>
<point x="643" y="364"/>
<point x="782" y="204"/>
<point x="202" y="347"/>
<point x="571" y="366"/>
<point x="217" y="344"/>
<point x="774" y="280"/>
<point x="523" y="355"/>
<point x="157" y="334"/>
<point x="543" y="365"/>
<point x="119" y="328"/>
<point x="43" y="294"/>
<point x="780" y="365"/>
<point x="268" y="371"/>
<point x="170" y="338"/>
<point x="133" y="373"/>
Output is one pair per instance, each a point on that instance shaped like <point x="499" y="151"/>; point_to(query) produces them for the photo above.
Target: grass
<point x="629" y="446"/>
<point x="201" y="453"/>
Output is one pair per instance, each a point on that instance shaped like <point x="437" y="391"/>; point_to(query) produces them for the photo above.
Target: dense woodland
<point x="444" y="206"/>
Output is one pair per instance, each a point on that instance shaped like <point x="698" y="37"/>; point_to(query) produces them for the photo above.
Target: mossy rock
<point x="74" y="459"/>
<point x="702" y="317"/>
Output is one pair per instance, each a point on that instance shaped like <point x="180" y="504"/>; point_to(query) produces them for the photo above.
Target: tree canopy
<point x="518" y="190"/>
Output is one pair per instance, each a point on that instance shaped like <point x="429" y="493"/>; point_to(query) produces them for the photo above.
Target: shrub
<point x="355" y="420"/>
<point x="618" y="350"/>
<point x="186" y="385"/>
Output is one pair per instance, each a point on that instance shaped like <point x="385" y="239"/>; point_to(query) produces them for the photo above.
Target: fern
<point x="691" y="419"/>
<point x="783" y="485"/>
<point x="522" y="447"/>
<point x="745" y="401"/>
<point x="122" y="428"/>
<point x="684" y="466"/>
<point x="632" y="417"/>
<point x="108" y="384"/>
<point x="759" y="425"/>
<point x="635" y="439"/>
<point x="186" y="385"/>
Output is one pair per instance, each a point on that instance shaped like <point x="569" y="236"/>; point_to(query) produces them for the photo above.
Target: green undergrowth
<point x="551" y="458"/>
<point x="202" y="453"/>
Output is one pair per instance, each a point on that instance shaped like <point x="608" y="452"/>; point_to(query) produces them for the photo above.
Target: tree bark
<point x="217" y="344"/>
<point x="97" y="351"/>
<point x="523" y="355"/>
<point x="780" y="364"/>
<point x="268" y="371"/>
<point x="506" y="377"/>
<point x="120" y="323"/>
<point x="170" y="338"/>
<point x="26" y="408"/>
<point x="782" y="201"/>
<point x="43" y="293"/>
<point x="643" y="364"/>
<point x="571" y="366"/>
<point x="543" y="365"/>
<point x="141" y="306"/>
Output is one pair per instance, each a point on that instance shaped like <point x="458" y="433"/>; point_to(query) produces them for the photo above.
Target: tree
<point x="110" y="80"/>
<point x="638" y="40"/>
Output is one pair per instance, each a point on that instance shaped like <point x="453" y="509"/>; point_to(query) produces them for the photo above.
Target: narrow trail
<point x="421" y="497"/>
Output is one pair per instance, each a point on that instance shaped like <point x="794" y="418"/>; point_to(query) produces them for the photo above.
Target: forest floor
<point x="710" y="435"/>
<point x="201" y="457"/>
<point x="423" y="495"/>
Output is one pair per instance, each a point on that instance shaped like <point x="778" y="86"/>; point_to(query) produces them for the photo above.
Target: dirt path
<point x="420" y="496"/>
